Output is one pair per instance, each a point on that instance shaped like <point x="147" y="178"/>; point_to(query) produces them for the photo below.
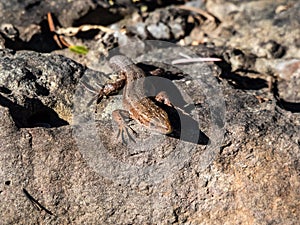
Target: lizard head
<point x="147" y="113"/>
<point x="160" y="124"/>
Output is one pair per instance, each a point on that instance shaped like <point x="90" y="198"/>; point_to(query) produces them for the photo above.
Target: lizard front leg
<point x="106" y="90"/>
<point x="111" y="87"/>
<point x="121" y="117"/>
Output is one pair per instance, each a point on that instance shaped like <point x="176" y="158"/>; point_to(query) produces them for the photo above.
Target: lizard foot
<point x="121" y="117"/>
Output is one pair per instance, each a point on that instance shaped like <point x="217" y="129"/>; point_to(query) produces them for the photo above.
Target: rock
<point x="159" y="31"/>
<point x="27" y="12"/>
<point x="2" y="42"/>
<point x="29" y="18"/>
<point x="61" y="163"/>
<point x="177" y="28"/>
<point x="31" y="87"/>
<point x="9" y="31"/>
<point x="256" y="170"/>
<point x="271" y="49"/>
<point x="239" y="60"/>
<point x="167" y="23"/>
<point x="256" y="26"/>
<point x="289" y="80"/>
<point x="139" y="29"/>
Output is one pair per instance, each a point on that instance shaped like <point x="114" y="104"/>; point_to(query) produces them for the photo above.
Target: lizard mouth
<point x="168" y="130"/>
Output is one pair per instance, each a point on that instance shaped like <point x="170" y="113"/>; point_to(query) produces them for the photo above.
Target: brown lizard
<point x="136" y="104"/>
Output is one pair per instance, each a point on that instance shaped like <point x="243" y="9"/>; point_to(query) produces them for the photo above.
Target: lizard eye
<point x="152" y="124"/>
<point x="155" y="124"/>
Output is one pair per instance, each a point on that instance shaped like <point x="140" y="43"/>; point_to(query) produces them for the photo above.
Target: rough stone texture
<point x="289" y="76"/>
<point x="29" y="17"/>
<point x="2" y="42"/>
<point x="254" y="177"/>
<point x="255" y="26"/>
<point x="31" y="87"/>
<point x="24" y="13"/>
<point x="261" y="39"/>
<point x="169" y="23"/>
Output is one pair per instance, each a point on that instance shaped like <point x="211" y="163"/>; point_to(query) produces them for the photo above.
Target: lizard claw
<point x="124" y="131"/>
<point x="120" y="117"/>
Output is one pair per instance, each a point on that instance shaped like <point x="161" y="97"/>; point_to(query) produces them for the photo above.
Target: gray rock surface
<point x="24" y="13"/>
<point x="255" y="26"/>
<point x="31" y="87"/>
<point x="168" y="23"/>
<point x="254" y="178"/>
<point x="51" y="137"/>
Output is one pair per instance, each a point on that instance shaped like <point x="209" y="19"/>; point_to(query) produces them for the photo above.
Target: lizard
<point x="136" y="104"/>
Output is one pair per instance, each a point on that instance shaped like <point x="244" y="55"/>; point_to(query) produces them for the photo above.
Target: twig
<point x="63" y="41"/>
<point x="36" y="204"/>
<point x="192" y="60"/>
<point x="199" y="11"/>
<point x="50" y="22"/>
<point x="60" y="41"/>
<point x="185" y="56"/>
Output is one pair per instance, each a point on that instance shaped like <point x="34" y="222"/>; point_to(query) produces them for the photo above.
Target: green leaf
<point x="79" y="49"/>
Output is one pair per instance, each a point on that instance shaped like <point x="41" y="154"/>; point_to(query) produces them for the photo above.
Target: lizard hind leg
<point x="121" y="117"/>
<point x="163" y="97"/>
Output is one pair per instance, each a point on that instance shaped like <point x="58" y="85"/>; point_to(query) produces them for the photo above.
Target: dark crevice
<point x="32" y="5"/>
<point x="289" y="106"/>
<point x="293" y="107"/>
<point x="36" y="114"/>
<point x="98" y="16"/>
<point x="152" y="5"/>
<point x="247" y="83"/>
<point x="88" y="35"/>
<point x="40" y="42"/>
<point x="5" y="90"/>
<point x="28" y="75"/>
<point x="43" y="41"/>
<point x="16" y="44"/>
<point x="45" y="118"/>
<point x="40" y="90"/>
<point x="241" y="82"/>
